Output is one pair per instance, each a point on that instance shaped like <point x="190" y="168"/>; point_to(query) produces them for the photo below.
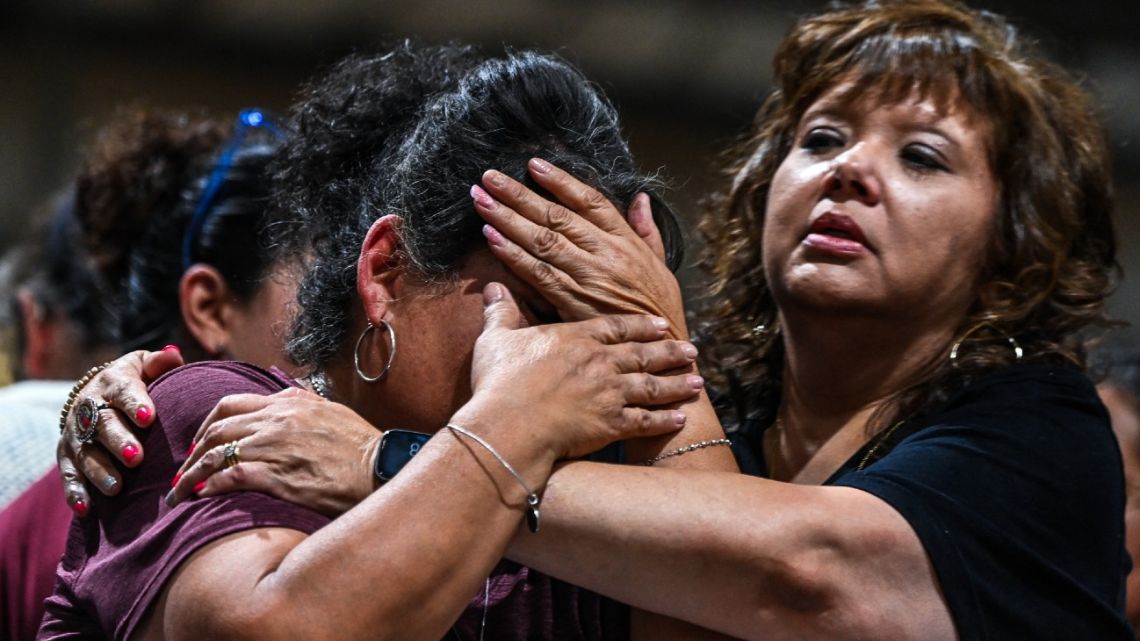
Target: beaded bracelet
<point x="74" y="393"/>
<point x="692" y="447"/>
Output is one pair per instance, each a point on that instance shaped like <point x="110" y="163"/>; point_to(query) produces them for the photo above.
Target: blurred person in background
<point x="1118" y="361"/>
<point x="59" y="328"/>
<point x="167" y="208"/>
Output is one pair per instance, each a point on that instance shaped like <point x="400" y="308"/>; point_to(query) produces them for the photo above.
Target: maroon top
<point x="119" y="558"/>
<point x="33" y="530"/>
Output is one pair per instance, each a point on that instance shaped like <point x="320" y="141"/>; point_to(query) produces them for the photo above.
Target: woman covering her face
<point x="915" y="238"/>
<point x="396" y="344"/>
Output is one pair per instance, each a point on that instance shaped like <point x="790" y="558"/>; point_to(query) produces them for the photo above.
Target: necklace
<point x="483" y="622"/>
<point x="882" y="438"/>
<point x="319" y="383"/>
<point x="778" y="427"/>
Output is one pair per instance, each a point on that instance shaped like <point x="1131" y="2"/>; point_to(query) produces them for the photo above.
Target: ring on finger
<point x="231" y="452"/>
<point x="87" y="419"/>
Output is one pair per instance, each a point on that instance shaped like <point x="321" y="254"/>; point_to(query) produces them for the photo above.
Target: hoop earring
<point x="1017" y="351"/>
<point x="391" y="352"/>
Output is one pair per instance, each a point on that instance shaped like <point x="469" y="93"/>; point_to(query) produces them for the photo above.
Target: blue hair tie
<point x="247" y="119"/>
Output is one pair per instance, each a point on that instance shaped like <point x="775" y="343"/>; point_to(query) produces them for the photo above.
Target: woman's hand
<point x="294" y="445"/>
<point x="580" y="253"/>
<point x="578" y="387"/>
<point x="122" y="385"/>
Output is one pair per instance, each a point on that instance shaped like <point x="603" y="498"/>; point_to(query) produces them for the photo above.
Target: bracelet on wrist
<point x="692" y="447"/>
<point x="532" y="498"/>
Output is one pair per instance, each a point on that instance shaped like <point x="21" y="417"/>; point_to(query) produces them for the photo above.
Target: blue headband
<point x="247" y="119"/>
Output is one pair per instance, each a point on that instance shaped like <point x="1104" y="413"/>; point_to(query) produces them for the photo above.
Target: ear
<point x="377" y="268"/>
<point x="38" y="333"/>
<point x="208" y="307"/>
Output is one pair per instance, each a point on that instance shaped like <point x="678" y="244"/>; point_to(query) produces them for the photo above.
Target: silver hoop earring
<point x="1017" y="351"/>
<point x="391" y="352"/>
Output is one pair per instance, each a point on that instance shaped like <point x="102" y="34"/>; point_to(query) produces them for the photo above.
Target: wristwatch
<point x="397" y="447"/>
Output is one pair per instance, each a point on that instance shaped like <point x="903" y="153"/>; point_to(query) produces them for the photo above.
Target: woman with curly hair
<point x="916" y="236"/>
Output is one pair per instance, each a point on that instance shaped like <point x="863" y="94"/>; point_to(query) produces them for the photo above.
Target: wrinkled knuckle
<point x="557" y="216"/>
<point x="595" y="199"/>
<point x="620" y="327"/>
<point x="211" y="459"/>
<point x="546" y="276"/>
<point x="651" y="385"/>
<point x="545" y="241"/>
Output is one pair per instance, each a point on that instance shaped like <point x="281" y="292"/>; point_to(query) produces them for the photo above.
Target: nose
<point x="850" y="177"/>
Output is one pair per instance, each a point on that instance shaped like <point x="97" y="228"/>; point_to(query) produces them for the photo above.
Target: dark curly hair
<point x="1051" y="262"/>
<point x="348" y="121"/>
<point x="139" y="187"/>
<point x="494" y="114"/>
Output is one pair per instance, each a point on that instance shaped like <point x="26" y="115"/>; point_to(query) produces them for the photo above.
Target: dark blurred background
<point x="686" y="74"/>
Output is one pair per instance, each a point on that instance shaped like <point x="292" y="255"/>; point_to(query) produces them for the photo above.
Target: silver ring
<point x="87" y="420"/>
<point x="231" y="452"/>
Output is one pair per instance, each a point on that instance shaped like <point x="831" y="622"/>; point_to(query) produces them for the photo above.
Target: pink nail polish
<point x="176" y="479"/>
<point x="199" y="487"/>
<point x="129" y="453"/>
<point x="493" y="236"/>
<point x="696" y="382"/>
<point x="80" y="507"/>
<point x="190" y="452"/>
<point x="143" y="414"/>
<point x="482" y="198"/>
<point x="540" y="166"/>
<point x="172" y="348"/>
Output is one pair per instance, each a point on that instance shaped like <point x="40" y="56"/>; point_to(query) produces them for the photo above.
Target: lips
<point x="836" y="233"/>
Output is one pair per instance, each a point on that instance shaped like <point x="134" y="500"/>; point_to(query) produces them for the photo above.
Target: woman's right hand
<point x="578" y="386"/>
<point x="122" y="385"/>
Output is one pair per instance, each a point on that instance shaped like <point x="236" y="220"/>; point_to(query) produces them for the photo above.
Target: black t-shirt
<point x="1016" y="491"/>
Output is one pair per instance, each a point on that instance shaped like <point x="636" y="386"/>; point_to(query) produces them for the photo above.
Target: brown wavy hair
<point x="1051" y="261"/>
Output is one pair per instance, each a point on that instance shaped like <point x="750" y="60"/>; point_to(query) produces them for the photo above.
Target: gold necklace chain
<point x="878" y="442"/>
<point x="778" y="426"/>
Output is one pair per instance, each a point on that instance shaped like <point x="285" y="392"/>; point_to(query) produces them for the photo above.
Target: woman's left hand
<point x="580" y="253"/>
<point x="294" y="445"/>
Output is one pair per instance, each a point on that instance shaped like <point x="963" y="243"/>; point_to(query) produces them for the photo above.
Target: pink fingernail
<point x="539" y="165"/>
<point x="679" y="418"/>
<point x="495" y="178"/>
<point x="688" y="349"/>
<point x="482" y="198"/>
<point x="660" y="323"/>
<point x="172" y="348"/>
<point x="493" y="236"/>
<point x="695" y="382"/>
<point x="80" y="507"/>
<point x="190" y="452"/>
<point x="129" y="453"/>
<point x="143" y="414"/>
<point x="199" y="487"/>
<point x="177" y="478"/>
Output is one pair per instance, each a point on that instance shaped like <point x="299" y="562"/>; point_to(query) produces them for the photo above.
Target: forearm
<point x="701" y="425"/>
<point x="745" y="556"/>
<point x="401" y="565"/>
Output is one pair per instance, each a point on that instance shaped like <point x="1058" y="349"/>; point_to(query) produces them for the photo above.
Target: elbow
<point x="823" y="591"/>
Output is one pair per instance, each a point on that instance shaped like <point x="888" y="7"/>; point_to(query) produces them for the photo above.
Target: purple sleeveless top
<point x="118" y="559"/>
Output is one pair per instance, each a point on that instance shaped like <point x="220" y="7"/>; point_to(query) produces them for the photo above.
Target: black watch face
<point x="397" y="447"/>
